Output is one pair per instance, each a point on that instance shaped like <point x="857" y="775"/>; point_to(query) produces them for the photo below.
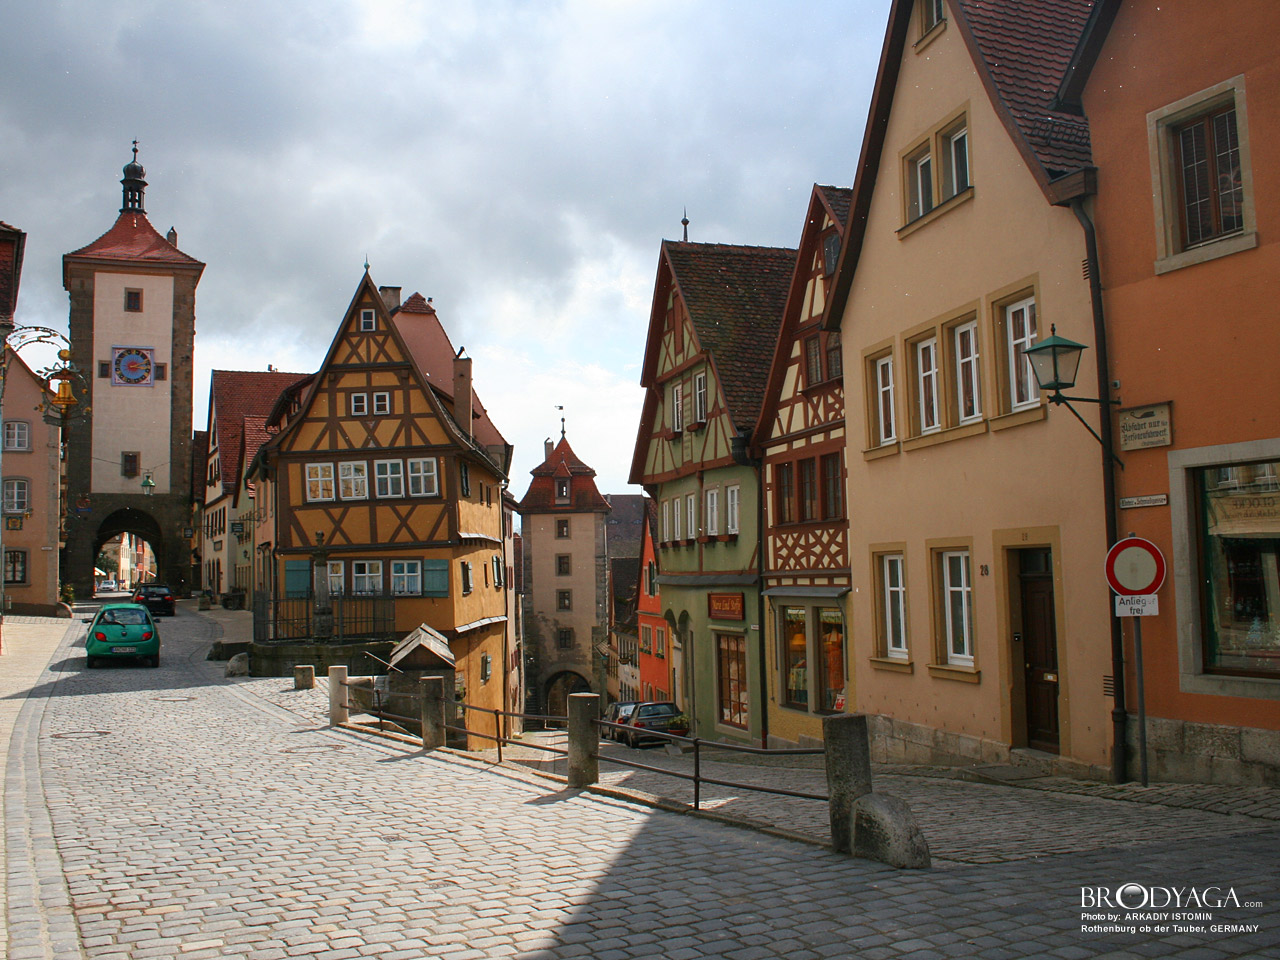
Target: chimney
<point x="547" y="448"/>
<point x="461" y="391"/>
<point x="172" y="236"/>
<point x="390" y="297"/>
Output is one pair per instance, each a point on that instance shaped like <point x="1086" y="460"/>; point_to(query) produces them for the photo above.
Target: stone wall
<point x="1186" y="752"/>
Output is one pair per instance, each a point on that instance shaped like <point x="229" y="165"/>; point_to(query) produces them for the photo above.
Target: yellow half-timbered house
<point x="385" y="471"/>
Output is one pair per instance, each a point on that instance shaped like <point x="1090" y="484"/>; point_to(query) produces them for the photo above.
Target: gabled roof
<point x="734" y="295"/>
<point x="425" y="338"/>
<point x="132" y="238"/>
<point x="824" y="201"/>
<point x="1022" y="50"/>
<point x="12" y="242"/>
<point x="233" y="396"/>
<point x="584" y="496"/>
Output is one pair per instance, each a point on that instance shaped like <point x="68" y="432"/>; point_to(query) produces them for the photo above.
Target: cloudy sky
<point x="519" y="162"/>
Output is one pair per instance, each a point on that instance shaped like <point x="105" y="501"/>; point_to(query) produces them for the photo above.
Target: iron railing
<point x="279" y="620"/>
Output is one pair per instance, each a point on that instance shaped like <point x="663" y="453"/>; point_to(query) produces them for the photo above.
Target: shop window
<point x="731" y="679"/>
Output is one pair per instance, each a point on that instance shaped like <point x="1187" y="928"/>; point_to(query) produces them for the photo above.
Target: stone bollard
<point x="338" y="696"/>
<point x="304" y="677"/>
<point x="584" y="739"/>
<point x="431" y="689"/>
<point x="848" y="758"/>
<point x="885" y="829"/>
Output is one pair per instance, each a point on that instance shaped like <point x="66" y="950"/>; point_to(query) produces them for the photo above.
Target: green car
<point x="122" y="630"/>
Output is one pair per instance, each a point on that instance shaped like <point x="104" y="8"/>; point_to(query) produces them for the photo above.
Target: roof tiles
<point x="234" y="396"/>
<point x="132" y="237"/>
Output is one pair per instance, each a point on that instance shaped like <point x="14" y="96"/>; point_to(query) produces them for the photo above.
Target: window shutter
<point x="435" y="578"/>
<point x="297" y="578"/>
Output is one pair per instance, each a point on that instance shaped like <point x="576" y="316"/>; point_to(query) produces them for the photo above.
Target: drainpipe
<point x="741" y="456"/>
<point x="1118" y="712"/>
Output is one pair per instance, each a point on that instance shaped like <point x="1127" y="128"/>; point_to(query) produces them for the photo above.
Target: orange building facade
<point x="1185" y="123"/>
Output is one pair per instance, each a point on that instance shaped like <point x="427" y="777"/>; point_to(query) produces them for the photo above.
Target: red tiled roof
<point x="134" y="238"/>
<point x="12" y="240"/>
<point x="838" y="199"/>
<point x="1027" y="46"/>
<point x="420" y="328"/>
<point x="235" y="395"/>
<point x="584" y="496"/>
<point x="735" y="297"/>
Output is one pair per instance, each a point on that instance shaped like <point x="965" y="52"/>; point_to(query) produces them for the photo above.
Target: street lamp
<point x="148" y="486"/>
<point x="1054" y="363"/>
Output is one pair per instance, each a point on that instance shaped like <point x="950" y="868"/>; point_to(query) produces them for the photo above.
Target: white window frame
<point x="424" y="476"/>
<point x="354" y="473"/>
<point x="359" y="404"/>
<point x="678" y="510"/>
<point x="496" y="561"/>
<point x="711" y="513"/>
<point x="956" y="138"/>
<point x="406" y="578"/>
<point x="17" y="495"/>
<point x="691" y="511"/>
<point x="886" y="426"/>
<point x="1017" y="346"/>
<point x="677" y="407"/>
<point x="17" y="435"/>
<point x="320" y="477"/>
<point x="666" y="516"/>
<point x="732" y="505"/>
<point x="894" y="598"/>
<point x="927" y="385"/>
<point x="922" y="179"/>
<point x="700" y="398"/>
<point x="385" y="478"/>
<point x="468" y="579"/>
<point x="934" y="13"/>
<point x="366" y="574"/>
<point x="368" y="320"/>
<point x="968" y="366"/>
<point x="963" y="588"/>
<point x="381" y="403"/>
<point x="336" y="575"/>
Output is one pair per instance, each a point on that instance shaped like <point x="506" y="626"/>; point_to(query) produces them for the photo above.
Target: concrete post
<point x="304" y="677"/>
<point x="848" y="758"/>
<point x="584" y="765"/>
<point x="431" y="689"/>
<point x="338" y="696"/>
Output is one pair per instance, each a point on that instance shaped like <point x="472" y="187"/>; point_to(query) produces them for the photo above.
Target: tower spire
<point x="684" y="222"/>
<point x="133" y="183"/>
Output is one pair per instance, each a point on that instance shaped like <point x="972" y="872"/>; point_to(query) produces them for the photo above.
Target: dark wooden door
<point x="1040" y="652"/>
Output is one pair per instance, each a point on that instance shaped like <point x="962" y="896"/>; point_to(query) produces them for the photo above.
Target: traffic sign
<point x="1135" y="567"/>
<point x="1139" y="605"/>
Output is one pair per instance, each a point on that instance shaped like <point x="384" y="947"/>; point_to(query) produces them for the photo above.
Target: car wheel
<point x="90" y="662"/>
<point x="154" y="661"/>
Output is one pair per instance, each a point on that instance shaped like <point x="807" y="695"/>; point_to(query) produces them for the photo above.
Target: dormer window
<point x="830" y="253"/>
<point x="562" y="490"/>
<point x="367" y="320"/>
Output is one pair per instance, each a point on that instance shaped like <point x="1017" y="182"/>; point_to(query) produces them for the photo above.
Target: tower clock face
<point x="131" y="366"/>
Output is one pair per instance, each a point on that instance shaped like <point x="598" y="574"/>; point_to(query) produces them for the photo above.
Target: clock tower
<point x="132" y="328"/>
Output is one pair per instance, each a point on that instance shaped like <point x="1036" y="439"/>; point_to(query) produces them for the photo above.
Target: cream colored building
<point x="979" y="613"/>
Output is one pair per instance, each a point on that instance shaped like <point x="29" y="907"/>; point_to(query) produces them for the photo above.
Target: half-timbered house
<point x="801" y="438"/>
<point x="385" y="472"/>
<point x="712" y="328"/>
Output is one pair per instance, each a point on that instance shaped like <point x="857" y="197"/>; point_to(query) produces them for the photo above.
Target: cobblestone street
<point x="174" y="813"/>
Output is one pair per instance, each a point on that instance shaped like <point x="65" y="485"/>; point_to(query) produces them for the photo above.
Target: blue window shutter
<point x="297" y="578"/>
<point x="435" y="578"/>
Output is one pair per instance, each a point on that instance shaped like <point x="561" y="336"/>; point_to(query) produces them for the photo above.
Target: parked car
<point x="107" y="586"/>
<point x="665" y="717"/>
<point x="618" y="712"/>
<point x="156" y="597"/>
<point x="122" y="630"/>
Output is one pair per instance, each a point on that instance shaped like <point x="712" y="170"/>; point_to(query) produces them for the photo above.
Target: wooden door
<point x="1040" y="654"/>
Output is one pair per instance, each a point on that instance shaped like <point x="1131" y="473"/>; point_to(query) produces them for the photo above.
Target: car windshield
<point x="123" y="618"/>
<point x="625" y="709"/>
<point x="659" y="710"/>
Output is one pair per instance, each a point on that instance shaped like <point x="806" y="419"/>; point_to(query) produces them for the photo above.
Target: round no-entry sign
<point x="1135" y="567"/>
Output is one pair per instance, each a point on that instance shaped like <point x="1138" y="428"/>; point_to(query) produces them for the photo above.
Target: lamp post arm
<point x="1063" y="398"/>
<point x="1065" y="401"/>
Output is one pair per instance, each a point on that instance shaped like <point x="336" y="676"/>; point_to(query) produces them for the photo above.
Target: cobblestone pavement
<point x="173" y="813"/>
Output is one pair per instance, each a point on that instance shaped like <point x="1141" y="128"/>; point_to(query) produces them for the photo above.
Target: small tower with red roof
<point x="566" y="580"/>
<point x="132" y="326"/>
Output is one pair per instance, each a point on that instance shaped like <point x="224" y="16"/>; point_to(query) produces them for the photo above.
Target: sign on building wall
<point x="726" y="606"/>
<point x="1149" y="426"/>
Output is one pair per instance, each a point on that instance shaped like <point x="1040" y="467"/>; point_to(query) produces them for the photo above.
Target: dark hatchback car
<point x="156" y="597"/>
<point x="663" y="717"/>
<point x="618" y="712"/>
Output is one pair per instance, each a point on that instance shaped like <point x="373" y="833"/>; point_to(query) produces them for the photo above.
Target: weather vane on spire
<point x="561" y="408"/>
<point x="135" y="151"/>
